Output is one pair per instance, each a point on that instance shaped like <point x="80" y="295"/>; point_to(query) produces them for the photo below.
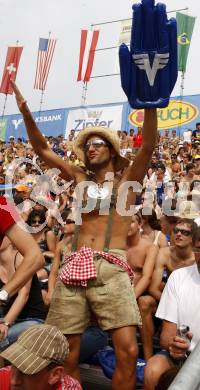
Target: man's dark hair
<point x="36" y="213"/>
<point x="189" y="166"/>
<point x="161" y="166"/>
<point x="193" y="184"/>
<point x="195" y="233"/>
<point x="185" y="221"/>
<point x="151" y="218"/>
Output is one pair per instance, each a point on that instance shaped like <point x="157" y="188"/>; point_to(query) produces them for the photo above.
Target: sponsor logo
<point x="176" y="114"/>
<point x="44" y="118"/>
<point x="159" y="62"/>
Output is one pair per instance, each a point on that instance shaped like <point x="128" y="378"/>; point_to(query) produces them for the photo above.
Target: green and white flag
<point x="185" y="26"/>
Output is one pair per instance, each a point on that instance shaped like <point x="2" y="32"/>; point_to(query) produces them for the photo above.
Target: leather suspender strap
<point x="110" y="221"/>
<point x="75" y="238"/>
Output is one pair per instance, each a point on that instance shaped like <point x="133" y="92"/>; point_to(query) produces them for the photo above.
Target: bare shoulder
<point x="146" y="242"/>
<point x="163" y="255"/>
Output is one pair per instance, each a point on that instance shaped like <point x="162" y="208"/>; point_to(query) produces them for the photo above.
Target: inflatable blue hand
<point x="149" y="70"/>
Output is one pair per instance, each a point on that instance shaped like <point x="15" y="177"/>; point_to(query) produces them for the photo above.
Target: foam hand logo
<point x="143" y="63"/>
<point x="149" y="69"/>
<point x="183" y="39"/>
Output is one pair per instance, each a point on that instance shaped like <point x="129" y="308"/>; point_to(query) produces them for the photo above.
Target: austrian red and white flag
<point x="88" y="44"/>
<point x="10" y="69"/>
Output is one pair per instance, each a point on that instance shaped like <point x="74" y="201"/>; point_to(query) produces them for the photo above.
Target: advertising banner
<point x="125" y="32"/>
<point x="51" y="122"/>
<point x="103" y="116"/>
<point x="180" y="114"/>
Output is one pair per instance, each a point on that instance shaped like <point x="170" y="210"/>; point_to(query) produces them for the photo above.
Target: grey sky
<point x="26" y="21"/>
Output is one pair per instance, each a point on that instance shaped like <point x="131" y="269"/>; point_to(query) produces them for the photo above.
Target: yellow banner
<point x="176" y="114"/>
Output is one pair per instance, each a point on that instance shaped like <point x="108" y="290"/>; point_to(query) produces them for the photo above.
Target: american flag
<point x="44" y="59"/>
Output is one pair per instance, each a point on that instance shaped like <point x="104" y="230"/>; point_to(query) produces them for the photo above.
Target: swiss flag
<point x="88" y="45"/>
<point x="10" y="69"/>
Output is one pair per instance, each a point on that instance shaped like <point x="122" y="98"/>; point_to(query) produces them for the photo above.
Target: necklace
<point x="97" y="191"/>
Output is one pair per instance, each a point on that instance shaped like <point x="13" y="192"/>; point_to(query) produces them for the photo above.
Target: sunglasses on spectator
<point x="97" y="143"/>
<point x="36" y="221"/>
<point x="69" y="221"/>
<point x="184" y="232"/>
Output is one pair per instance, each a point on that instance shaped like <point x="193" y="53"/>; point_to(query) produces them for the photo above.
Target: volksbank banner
<point x="50" y="122"/>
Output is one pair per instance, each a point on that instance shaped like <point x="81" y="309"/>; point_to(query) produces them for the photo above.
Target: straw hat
<point x="107" y="134"/>
<point x="187" y="209"/>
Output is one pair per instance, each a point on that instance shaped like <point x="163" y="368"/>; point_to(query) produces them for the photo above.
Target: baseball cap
<point x="36" y="348"/>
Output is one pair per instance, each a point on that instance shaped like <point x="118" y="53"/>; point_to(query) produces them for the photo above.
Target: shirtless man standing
<point x="96" y="276"/>
<point x="173" y="257"/>
<point x="141" y="256"/>
<point x="110" y="295"/>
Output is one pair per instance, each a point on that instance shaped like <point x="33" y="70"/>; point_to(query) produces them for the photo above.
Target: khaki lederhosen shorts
<point x="110" y="297"/>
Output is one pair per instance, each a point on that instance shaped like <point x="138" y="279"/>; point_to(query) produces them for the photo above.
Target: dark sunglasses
<point x="36" y="221"/>
<point x="69" y="221"/>
<point x="97" y="143"/>
<point x="184" y="232"/>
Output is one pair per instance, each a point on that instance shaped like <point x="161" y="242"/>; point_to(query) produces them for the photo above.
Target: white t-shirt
<point x="187" y="136"/>
<point x="180" y="300"/>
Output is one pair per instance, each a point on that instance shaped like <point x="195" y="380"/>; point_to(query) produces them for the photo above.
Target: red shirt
<point x="137" y="140"/>
<point x="68" y="383"/>
<point x="8" y="216"/>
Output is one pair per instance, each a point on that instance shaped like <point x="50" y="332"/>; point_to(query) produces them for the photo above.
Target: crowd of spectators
<point x="160" y="240"/>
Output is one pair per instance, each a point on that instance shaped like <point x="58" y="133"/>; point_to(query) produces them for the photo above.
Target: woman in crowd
<point x="151" y="228"/>
<point x="46" y="240"/>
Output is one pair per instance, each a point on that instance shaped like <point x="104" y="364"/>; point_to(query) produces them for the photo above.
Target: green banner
<point x="185" y="25"/>
<point x="3" y="126"/>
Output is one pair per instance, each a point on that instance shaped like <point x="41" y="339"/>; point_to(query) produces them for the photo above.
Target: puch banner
<point x="103" y="116"/>
<point x="177" y="114"/>
<point x="185" y="26"/>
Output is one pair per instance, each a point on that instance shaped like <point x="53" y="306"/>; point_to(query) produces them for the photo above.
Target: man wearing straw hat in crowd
<point x="37" y="360"/>
<point x="96" y="277"/>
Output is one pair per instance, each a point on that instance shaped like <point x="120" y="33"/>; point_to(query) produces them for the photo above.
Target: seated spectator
<point x="151" y="228"/>
<point x="141" y="256"/>
<point x="38" y="359"/>
<point x="179" y="305"/>
<point x="23" y="309"/>
<point x="190" y="173"/>
<point x="173" y="257"/>
<point x="168" y="222"/>
<point x="63" y="248"/>
<point x="45" y="238"/>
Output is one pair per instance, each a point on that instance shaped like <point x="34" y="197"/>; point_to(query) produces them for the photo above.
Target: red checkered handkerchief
<point x="79" y="267"/>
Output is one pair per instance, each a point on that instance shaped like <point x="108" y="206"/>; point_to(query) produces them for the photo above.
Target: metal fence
<point x="188" y="378"/>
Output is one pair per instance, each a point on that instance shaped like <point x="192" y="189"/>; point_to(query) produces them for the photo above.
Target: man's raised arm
<point x="138" y="170"/>
<point x="39" y="143"/>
